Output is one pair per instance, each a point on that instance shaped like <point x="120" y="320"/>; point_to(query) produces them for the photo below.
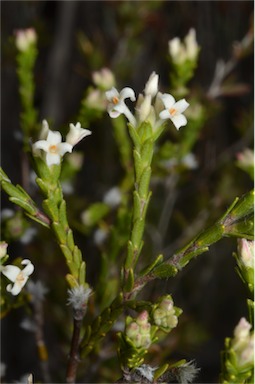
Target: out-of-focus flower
<point x="100" y="235"/>
<point x="104" y="79"/>
<point x="3" y="249"/>
<point x="180" y="52"/>
<point x="95" y="99"/>
<point x="54" y="147"/>
<point x="17" y="276"/>
<point x="117" y="105"/>
<point x="24" y="38"/>
<point x="37" y="290"/>
<point x="28" y="235"/>
<point x="76" y="159"/>
<point x="112" y="197"/>
<point x="146" y="372"/>
<point x="7" y="214"/>
<point x="76" y="134"/>
<point x="173" y="110"/>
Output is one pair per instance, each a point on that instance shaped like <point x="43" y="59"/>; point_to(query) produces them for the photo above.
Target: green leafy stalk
<point x="19" y="196"/>
<point x="143" y="151"/>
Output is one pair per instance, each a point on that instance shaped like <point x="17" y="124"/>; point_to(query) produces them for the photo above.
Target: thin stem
<point x="74" y="359"/>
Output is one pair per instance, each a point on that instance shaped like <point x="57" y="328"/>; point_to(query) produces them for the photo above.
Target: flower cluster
<point x="181" y="52"/>
<point x="243" y="344"/>
<point x="165" y="315"/>
<point x="138" y="331"/>
<point x="151" y="106"/>
<point x="51" y="142"/>
<point x="25" y="38"/>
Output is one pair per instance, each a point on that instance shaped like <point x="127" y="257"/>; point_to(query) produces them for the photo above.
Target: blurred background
<point x="131" y="38"/>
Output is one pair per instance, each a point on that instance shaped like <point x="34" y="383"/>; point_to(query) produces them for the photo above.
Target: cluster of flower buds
<point x="53" y="147"/>
<point x="239" y="354"/>
<point x="25" y="38"/>
<point x="165" y="315"/>
<point x="181" y="52"/>
<point x="245" y="261"/>
<point x="138" y="331"/>
<point x="152" y="106"/>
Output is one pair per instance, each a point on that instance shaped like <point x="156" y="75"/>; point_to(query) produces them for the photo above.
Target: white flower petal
<point x="168" y="100"/>
<point x="11" y="272"/>
<point x="64" y="147"/>
<point x="151" y="87"/>
<point x="54" y="137"/>
<point x="52" y="158"/>
<point x="111" y="94"/>
<point x="127" y="93"/>
<point x="13" y="289"/>
<point x="76" y="134"/>
<point x="113" y="114"/>
<point x="179" y="121"/>
<point x="181" y="105"/>
<point x="121" y="107"/>
<point x="29" y="269"/>
<point x="164" y="114"/>
<point x="41" y="144"/>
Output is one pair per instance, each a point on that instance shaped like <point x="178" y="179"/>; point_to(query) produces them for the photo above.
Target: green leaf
<point x="134" y="136"/>
<point x="137" y="233"/>
<point x="160" y="371"/>
<point x="71" y="281"/>
<point x="67" y="253"/>
<point x="147" y="152"/>
<point x="138" y="164"/>
<point x="150" y="267"/>
<point x="12" y="191"/>
<point x="144" y="182"/>
<point x="62" y="214"/>
<point x="165" y="270"/>
<point x="70" y="240"/>
<point x="129" y="281"/>
<point x="82" y="273"/>
<point x="244" y="206"/>
<point x="130" y="255"/>
<point x="210" y="235"/>
<point x="23" y="204"/>
<point x="51" y="209"/>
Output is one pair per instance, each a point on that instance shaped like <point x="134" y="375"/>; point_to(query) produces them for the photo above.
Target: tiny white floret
<point x="173" y="110"/>
<point x="54" y="147"/>
<point x="17" y="276"/>
<point x="117" y="105"/>
<point x="76" y="134"/>
<point x="151" y="87"/>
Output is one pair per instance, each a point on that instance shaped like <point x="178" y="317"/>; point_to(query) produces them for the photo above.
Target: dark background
<point x="133" y="43"/>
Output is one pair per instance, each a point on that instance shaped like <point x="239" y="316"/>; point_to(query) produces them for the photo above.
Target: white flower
<point x="117" y="105"/>
<point x="192" y="47"/>
<point x="44" y="131"/>
<point x="24" y="38"/>
<point x="112" y="197"/>
<point x="181" y="52"/>
<point x="17" y="276"/>
<point x="174" y="110"/>
<point x="37" y="290"/>
<point x="151" y="87"/>
<point x="53" y="147"/>
<point x="104" y="78"/>
<point x="146" y="372"/>
<point x="242" y="330"/>
<point x="100" y="235"/>
<point x="76" y="134"/>
<point x="28" y="235"/>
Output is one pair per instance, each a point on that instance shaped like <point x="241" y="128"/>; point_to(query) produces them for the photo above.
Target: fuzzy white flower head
<point x="146" y="371"/>
<point x="173" y="110"/>
<point x="24" y="38"/>
<point x="151" y="87"/>
<point x="117" y="105"/>
<point x="17" y="276"/>
<point x="53" y="147"/>
<point x="104" y="78"/>
<point x="78" y="297"/>
<point x="76" y="134"/>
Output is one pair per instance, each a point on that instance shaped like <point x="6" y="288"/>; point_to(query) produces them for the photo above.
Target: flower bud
<point x="138" y="330"/>
<point x="104" y="79"/>
<point x="151" y="87"/>
<point x="243" y="344"/>
<point x="3" y="249"/>
<point x="165" y="315"/>
<point x="25" y="38"/>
